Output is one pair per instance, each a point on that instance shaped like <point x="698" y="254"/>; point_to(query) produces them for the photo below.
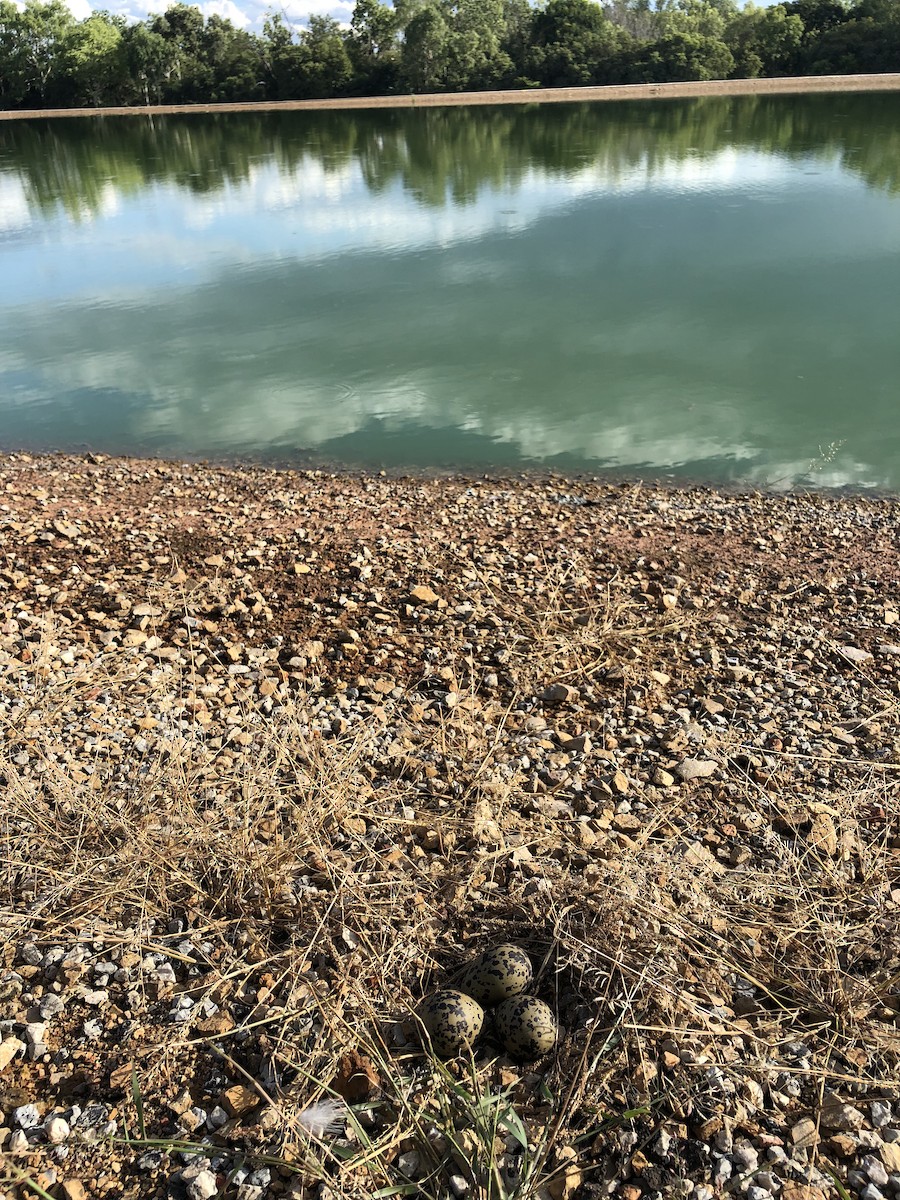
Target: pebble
<point x="203" y="1186"/>
<point x="56" y="1129"/>
<point x="880" y="1113"/>
<point x="26" y="1116"/>
<point x="874" y="1168"/>
<point x="871" y="1192"/>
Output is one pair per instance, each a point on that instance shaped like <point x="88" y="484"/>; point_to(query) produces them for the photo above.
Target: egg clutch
<point x="454" y="1016"/>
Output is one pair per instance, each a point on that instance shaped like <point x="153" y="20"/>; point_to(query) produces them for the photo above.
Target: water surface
<point x="704" y="288"/>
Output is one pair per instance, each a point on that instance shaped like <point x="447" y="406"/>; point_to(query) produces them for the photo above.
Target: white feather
<point x="328" y="1116"/>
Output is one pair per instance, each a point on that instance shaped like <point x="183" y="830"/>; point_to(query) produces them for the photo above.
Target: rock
<point x="558" y="693"/>
<point x="18" y="1142"/>
<point x="805" y="1134"/>
<point x="662" y="778"/>
<point x="50" y="1006"/>
<point x="890" y="1156"/>
<point x="801" y="1191"/>
<point x="838" y="1115"/>
<point x="874" y="1169"/>
<point x="73" y="1189"/>
<point x="203" y="1186"/>
<point x="409" y="1164"/>
<point x="823" y="835"/>
<point x="880" y="1113"/>
<point x="26" y="1116"/>
<point x="57" y="1130"/>
<point x="854" y="655"/>
<point x="567" y="1177"/>
<point x="696" y="768"/>
<point x="239" y="1100"/>
<point x="871" y="1192"/>
<point x="9" y="1048"/>
<point x="576" y="745"/>
<point x="423" y="595"/>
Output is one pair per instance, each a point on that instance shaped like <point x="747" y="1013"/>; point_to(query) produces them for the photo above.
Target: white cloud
<point x="248" y="15"/>
<point x="227" y="9"/>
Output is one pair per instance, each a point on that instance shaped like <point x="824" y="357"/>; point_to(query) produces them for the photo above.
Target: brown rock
<point x="422" y="594"/>
<point x="567" y="1177"/>
<point x="239" y="1100"/>
<point x="823" y="835"/>
<point x="73" y="1189"/>
<point x="356" y="1077"/>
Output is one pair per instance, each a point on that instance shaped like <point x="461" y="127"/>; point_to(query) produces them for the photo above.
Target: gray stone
<point x="51" y="1005"/>
<point x="765" y="1179"/>
<point x="874" y="1168"/>
<point x="26" y="1116"/>
<point x="409" y="1164"/>
<point x="745" y="1157"/>
<point x="871" y="1192"/>
<point x="696" y="768"/>
<point x="203" y="1186"/>
<point x="836" y="1115"/>
<point x="880" y="1113"/>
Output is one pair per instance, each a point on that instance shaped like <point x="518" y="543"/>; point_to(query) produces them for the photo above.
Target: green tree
<point x="33" y="43"/>
<point x="573" y="44"/>
<point x="234" y="60"/>
<point x="474" y="48"/>
<point x="680" y="57"/>
<point x="373" y="47"/>
<point x="424" y="55"/>
<point x="325" y="66"/>
<point x="188" y="77"/>
<point x="95" y="60"/>
<point x="148" y="62"/>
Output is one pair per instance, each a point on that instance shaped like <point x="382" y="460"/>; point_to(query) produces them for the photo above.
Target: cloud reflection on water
<point x="695" y="312"/>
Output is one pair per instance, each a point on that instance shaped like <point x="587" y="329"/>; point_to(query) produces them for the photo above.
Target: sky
<point x="246" y="14"/>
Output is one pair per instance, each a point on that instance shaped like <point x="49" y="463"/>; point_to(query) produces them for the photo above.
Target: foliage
<point x="48" y="58"/>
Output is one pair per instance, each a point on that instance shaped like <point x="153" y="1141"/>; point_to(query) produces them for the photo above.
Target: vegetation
<point x="50" y="59"/>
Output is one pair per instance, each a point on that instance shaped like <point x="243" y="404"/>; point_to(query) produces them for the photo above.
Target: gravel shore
<point x="280" y="750"/>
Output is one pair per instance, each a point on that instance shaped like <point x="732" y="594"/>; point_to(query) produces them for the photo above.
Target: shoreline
<point x="793" y="85"/>
<point x="527" y="475"/>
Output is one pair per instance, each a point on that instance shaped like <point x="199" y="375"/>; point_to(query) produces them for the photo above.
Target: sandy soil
<point x="800" y="85"/>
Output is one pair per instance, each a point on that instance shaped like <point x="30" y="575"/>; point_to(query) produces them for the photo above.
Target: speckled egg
<point x="452" y="1018"/>
<point x="496" y="975"/>
<point x="526" y="1026"/>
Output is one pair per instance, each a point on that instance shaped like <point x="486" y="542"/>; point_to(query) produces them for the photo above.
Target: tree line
<point x="50" y="59"/>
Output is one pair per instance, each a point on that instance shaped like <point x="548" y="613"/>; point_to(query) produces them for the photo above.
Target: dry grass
<point x="319" y="910"/>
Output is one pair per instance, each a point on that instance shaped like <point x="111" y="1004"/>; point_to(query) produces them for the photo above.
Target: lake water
<point x="701" y="289"/>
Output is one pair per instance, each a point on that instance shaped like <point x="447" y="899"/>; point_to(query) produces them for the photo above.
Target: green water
<point x="700" y="289"/>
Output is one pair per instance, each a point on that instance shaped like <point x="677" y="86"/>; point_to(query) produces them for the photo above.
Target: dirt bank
<point x="802" y="85"/>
